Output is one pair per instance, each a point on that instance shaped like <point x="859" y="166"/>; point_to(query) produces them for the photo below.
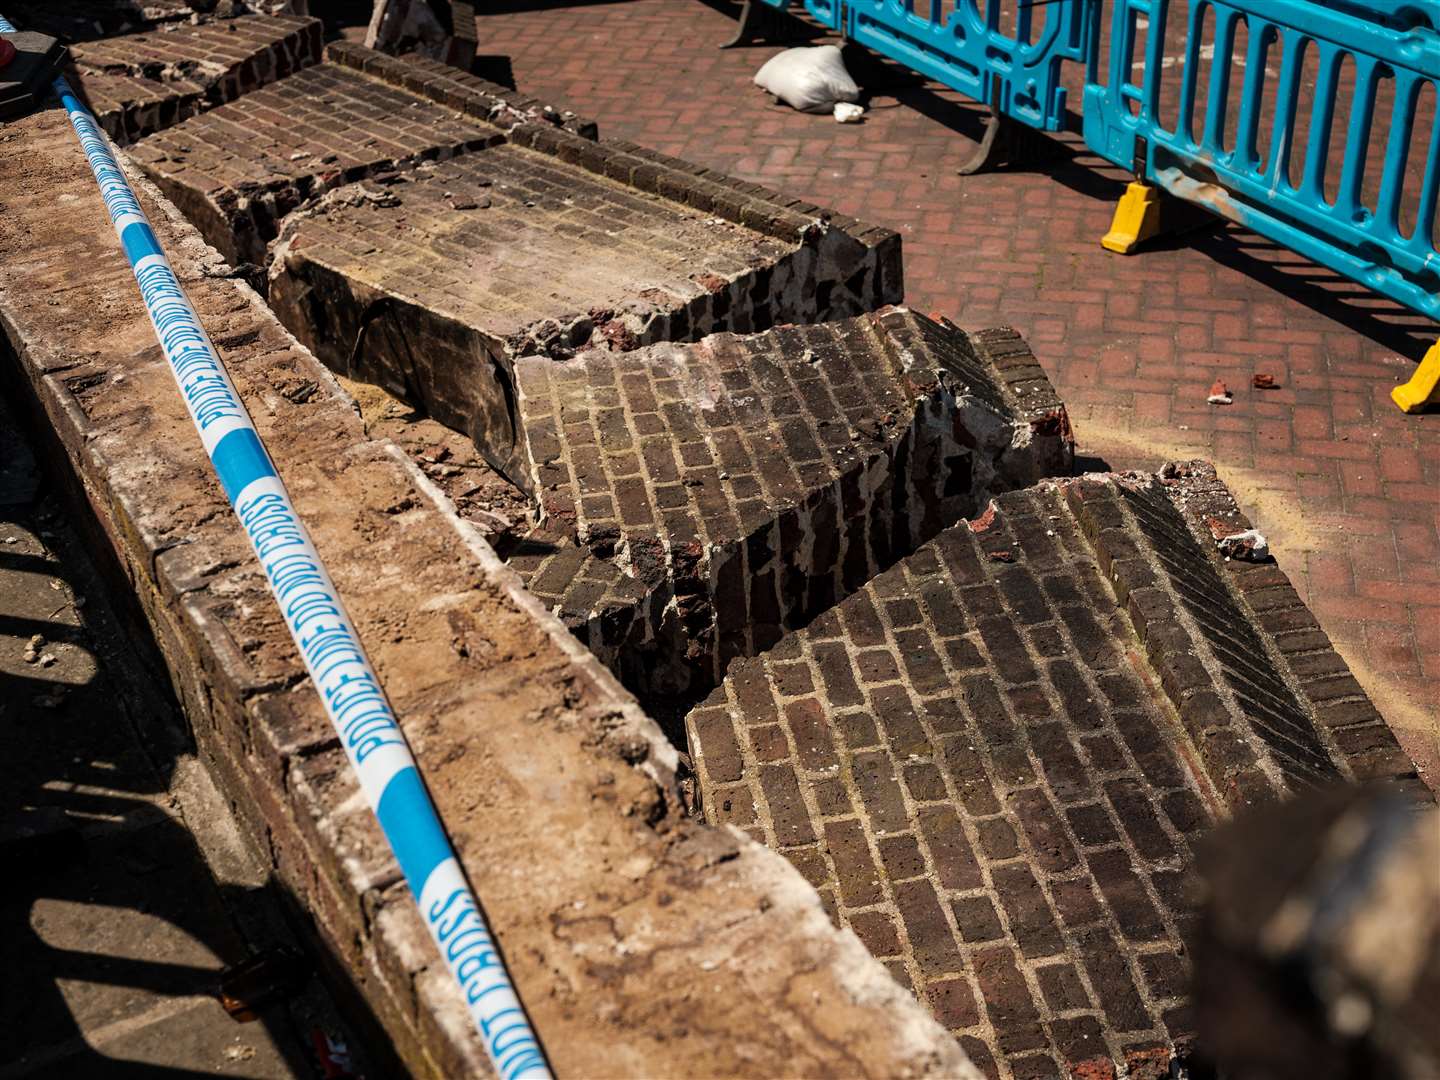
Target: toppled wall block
<point x="142" y="83"/>
<point x="641" y="942"/>
<point x="742" y="485"/>
<point x="530" y="238"/>
<point x="1318" y="956"/>
<point x="974" y="762"/>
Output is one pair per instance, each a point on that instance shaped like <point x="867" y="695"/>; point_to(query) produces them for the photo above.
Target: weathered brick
<point x="1031" y="922"/>
<point x="858" y="877"/>
<point x="787" y="808"/>
<point x="953" y="1003"/>
<point x="932" y="943"/>
<point x="1110" y="976"/>
<point x="1008" y="1001"/>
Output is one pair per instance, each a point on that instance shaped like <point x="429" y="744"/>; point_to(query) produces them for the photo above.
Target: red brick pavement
<point x="1342" y="482"/>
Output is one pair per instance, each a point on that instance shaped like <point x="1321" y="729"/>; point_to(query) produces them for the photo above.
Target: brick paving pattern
<point x="755" y="480"/>
<point x="1341" y="482"/>
<point x="141" y="83"/>
<point x="973" y="763"/>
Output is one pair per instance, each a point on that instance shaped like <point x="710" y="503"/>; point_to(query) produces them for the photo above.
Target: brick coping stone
<point x="137" y="84"/>
<point x="642" y="942"/>
<point x="993" y="759"/>
<point x="737" y="487"/>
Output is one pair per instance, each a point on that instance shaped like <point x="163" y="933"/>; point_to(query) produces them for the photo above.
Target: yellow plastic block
<point x="1137" y="218"/>
<point x="1424" y="386"/>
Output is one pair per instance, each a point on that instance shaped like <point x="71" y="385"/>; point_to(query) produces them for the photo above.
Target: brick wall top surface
<point x="325" y="121"/>
<point x="504" y="239"/>
<point x="964" y="759"/>
<point x="142" y="82"/>
<point x="576" y="842"/>
<point x="210" y="47"/>
<point x="538" y="125"/>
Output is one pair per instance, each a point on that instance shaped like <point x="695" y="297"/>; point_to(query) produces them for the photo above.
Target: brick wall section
<point x="992" y="759"/>
<point x="965" y="760"/>
<point x="1269" y="704"/>
<point x="238" y="170"/>
<point x="747" y="483"/>
<point x="540" y="126"/>
<point x="142" y="83"/>
<point x="576" y="842"/>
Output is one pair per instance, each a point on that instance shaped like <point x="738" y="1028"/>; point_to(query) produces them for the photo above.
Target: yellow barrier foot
<point x="1424" y="386"/>
<point x="1137" y="218"/>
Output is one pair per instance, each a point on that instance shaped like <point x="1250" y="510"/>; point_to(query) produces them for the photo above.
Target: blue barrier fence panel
<point x="1210" y="154"/>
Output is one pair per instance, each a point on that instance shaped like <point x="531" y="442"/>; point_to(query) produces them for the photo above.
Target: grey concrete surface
<point x="125" y="888"/>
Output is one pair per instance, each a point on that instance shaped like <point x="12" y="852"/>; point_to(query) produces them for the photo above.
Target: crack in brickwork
<point x="964" y="759"/>
<point x="744" y="484"/>
<point x="142" y="83"/>
<point x="505" y="253"/>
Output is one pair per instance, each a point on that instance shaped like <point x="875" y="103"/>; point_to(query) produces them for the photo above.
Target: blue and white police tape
<point x="327" y="641"/>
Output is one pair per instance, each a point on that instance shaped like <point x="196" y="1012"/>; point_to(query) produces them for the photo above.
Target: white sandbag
<point x="845" y="113"/>
<point x="808" y="79"/>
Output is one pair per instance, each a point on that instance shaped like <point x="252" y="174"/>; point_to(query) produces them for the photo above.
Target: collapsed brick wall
<point x="654" y="251"/>
<point x="973" y="762"/>
<point x="963" y="760"/>
<point x="142" y="83"/>
<point x="616" y="914"/>
<point x="741" y="486"/>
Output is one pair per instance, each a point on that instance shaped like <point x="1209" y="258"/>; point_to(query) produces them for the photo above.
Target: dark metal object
<point x="25" y="80"/>
<point x="758" y="21"/>
<point x="1007" y="142"/>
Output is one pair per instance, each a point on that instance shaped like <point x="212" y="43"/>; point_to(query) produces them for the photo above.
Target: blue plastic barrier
<point x="957" y="44"/>
<point x="1280" y="193"/>
<point x="324" y="636"/>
